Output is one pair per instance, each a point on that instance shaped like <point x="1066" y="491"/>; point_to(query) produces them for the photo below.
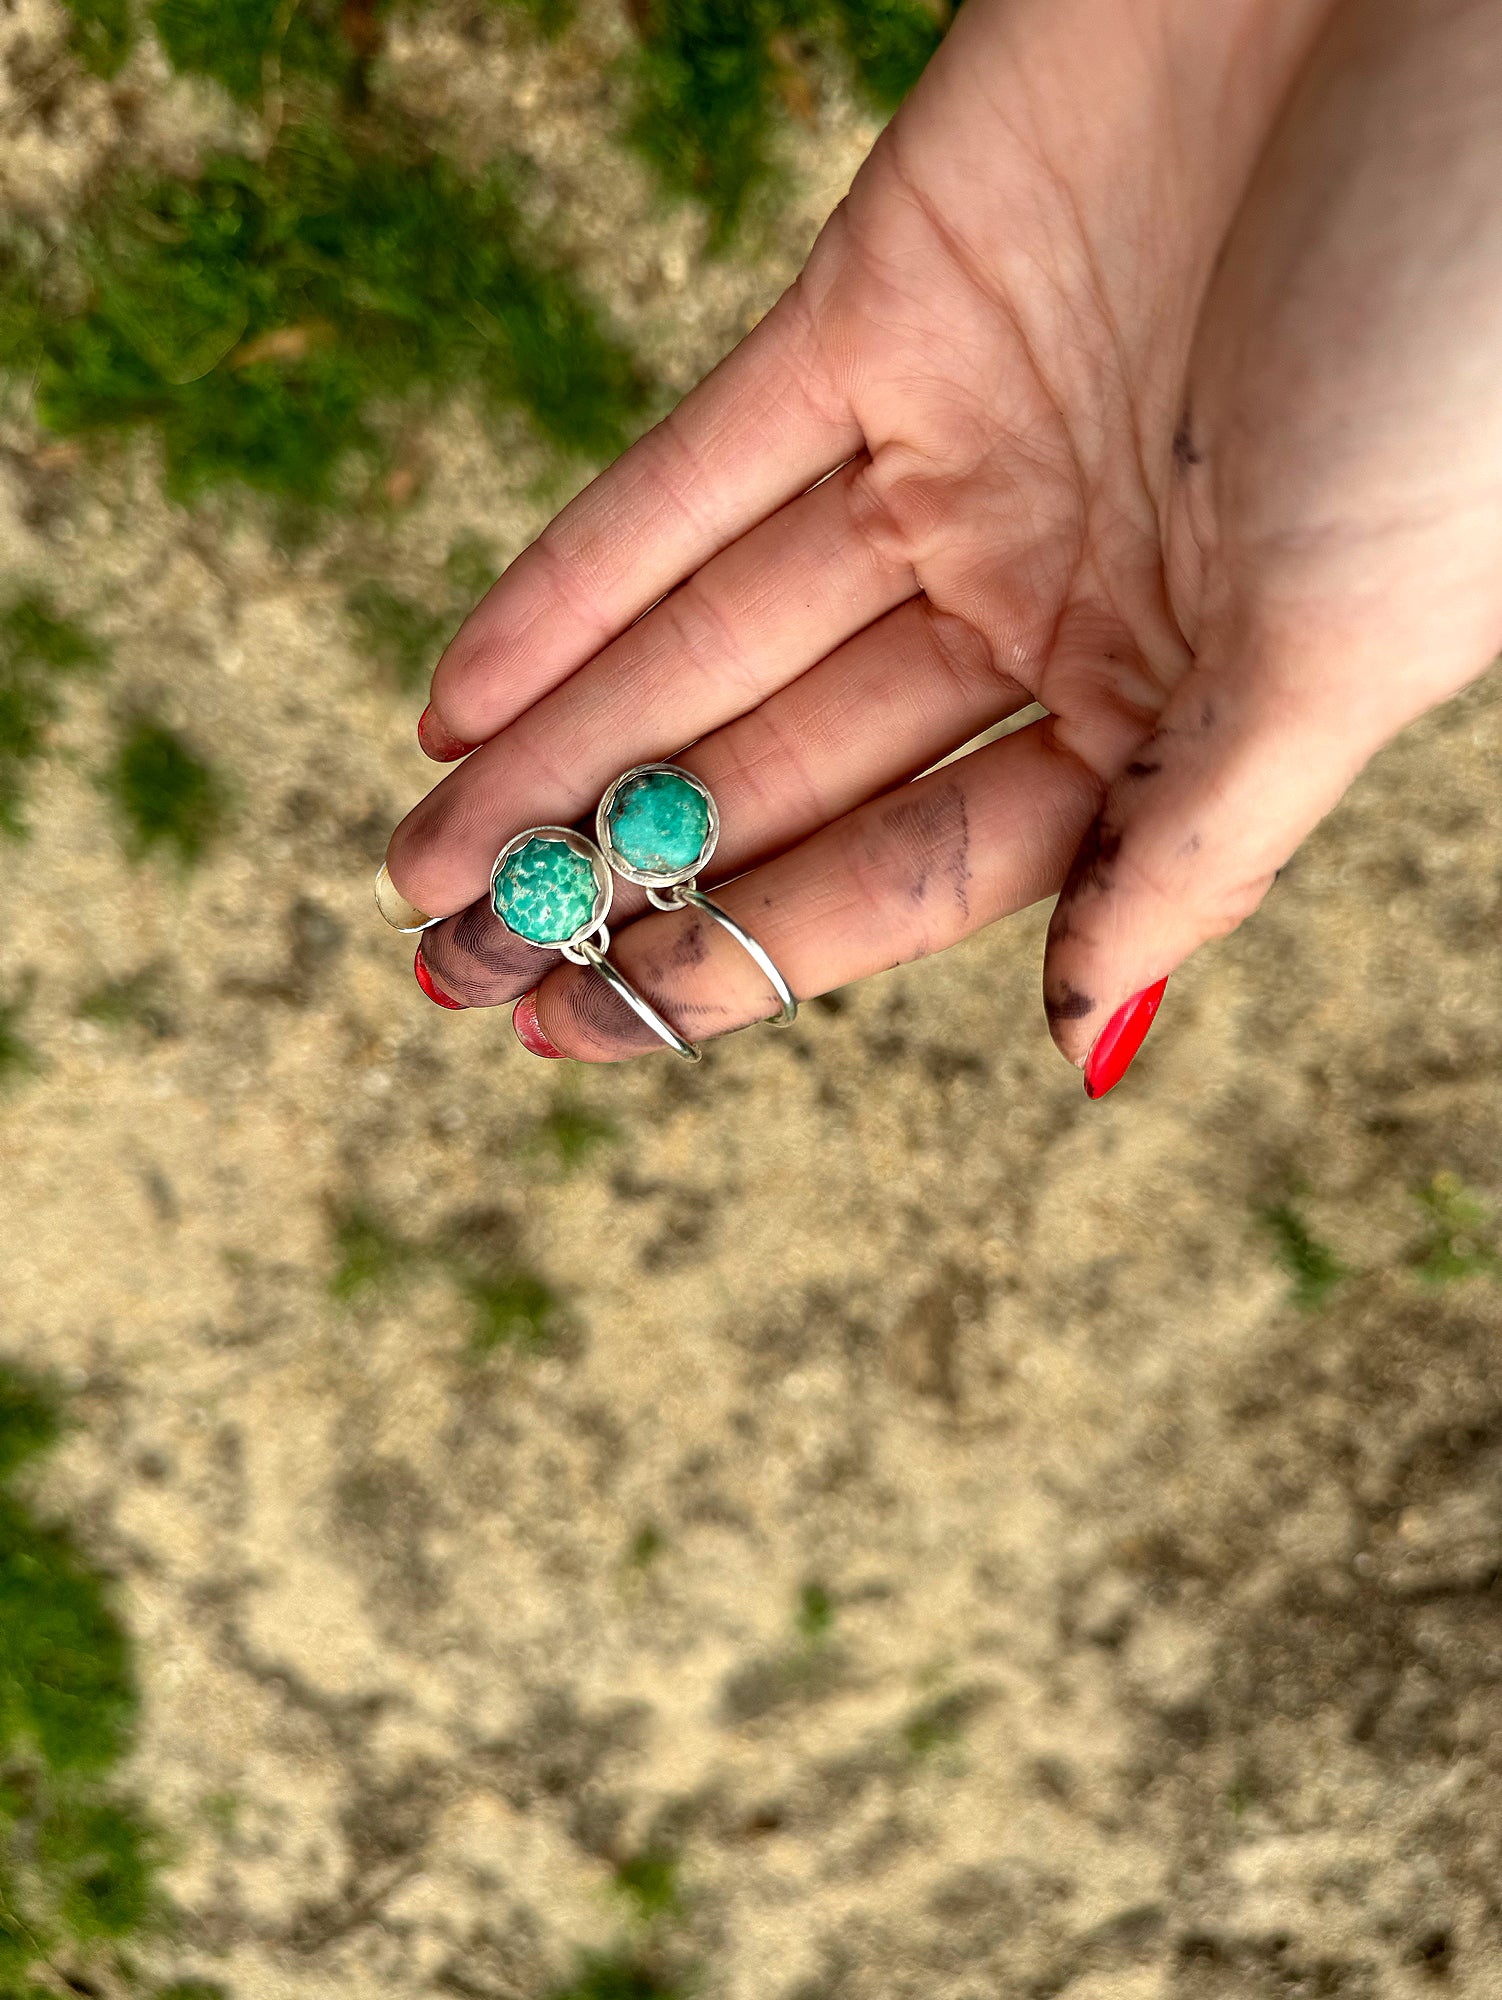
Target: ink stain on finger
<point x="932" y="834"/>
<point x="1064" y="1002"/>
<point x="605" y="1021"/>
<point x="1095" y="863"/>
<point x="479" y="935"/>
<point x="1185" y="451"/>
<point x="688" y="949"/>
<point x="1191" y="846"/>
<point x="1143" y="770"/>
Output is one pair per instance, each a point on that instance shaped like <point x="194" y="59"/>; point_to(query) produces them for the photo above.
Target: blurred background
<point x="854" y="1522"/>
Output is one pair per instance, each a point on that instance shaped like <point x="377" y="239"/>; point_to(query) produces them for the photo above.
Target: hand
<point x="1204" y="532"/>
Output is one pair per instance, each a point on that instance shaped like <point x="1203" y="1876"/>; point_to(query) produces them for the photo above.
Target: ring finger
<point x="902" y="876"/>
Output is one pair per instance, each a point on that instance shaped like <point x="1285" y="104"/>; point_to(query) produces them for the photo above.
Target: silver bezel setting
<point x="646" y="878"/>
<point x="604" y="884"/>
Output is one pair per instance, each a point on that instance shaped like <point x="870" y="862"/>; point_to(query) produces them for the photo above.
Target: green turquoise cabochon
<point x="659" y="823"/>
<point x="545" y="891"/>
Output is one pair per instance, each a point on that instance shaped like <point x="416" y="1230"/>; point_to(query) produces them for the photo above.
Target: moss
<point x="551" y="16"/>
<point x="101" y="1860"/>
<point x="167" y="795"/>
<point x="405" y="635"/>
<point x="102" y="35"/>
<point x="647" y="1545"/>
<point x="77" y="1859"/>
<point x="888" y="43"/>
<point x="711" y="75"/>
<point x="618" y="1976"/>
<point x="570" y="1131"/>
<point x="1313" y="1266"/>
<point x="1461" y="1237"/>
<point x="38" y="652"/>
<point x="470" y="568"/>
<point x="131" y="1002"/>
<point x="29" y="1421"/>
<point x="937" y="1725"/>
<point x="815" y="1613"/>
<point x="257" y="316"/>
<point x="370" y="1257"/>
<point x="250" y="45"/>
<point x="17" y="1057"/>
<point x="512" y="1308"/>
<point x="509" y="1305"/>
<point x="649" y="1882"/>
<point x="65" y="1689"/>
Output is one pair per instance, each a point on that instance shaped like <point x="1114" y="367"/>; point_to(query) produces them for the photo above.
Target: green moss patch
<point x="166" y="794"/>
<point x="649" y="1882"/>
<point x="1315" y="1270"/>
<point x="618" y="1976"/>
<point x="17" y="1058"/>
<point x="405" y="635"/>
<point x="713" y="76"/>
<point x="510" y="1306"/>
<point x="38" y="653"/>
<point x="1461" y="1239"/>
<point x="267" y="318"/>
<point x="77" y="1859"/>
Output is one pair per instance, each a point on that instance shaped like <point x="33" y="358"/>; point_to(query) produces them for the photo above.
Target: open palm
<point x="1189" y="507"/>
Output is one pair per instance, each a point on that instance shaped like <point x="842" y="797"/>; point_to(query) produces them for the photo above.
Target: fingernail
<point x="394" y="907"/>
<point x="528" y="1033"/>
<point x="436" y="741"/>
<point x="1120" y="1039"/>
<point x="425" y="981"/>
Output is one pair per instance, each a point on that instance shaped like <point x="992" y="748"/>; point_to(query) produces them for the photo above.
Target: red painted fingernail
<point x="436" y="741"/>
<point x="1120" y="1039"/>
<point x="528" y="1033"/>
<point x="425" y="981"/>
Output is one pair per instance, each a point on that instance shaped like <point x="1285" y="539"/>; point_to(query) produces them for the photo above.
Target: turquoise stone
<point x="545" y="891"/>
<point x="659" y="823"/>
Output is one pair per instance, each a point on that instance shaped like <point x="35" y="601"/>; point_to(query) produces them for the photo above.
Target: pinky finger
<point x="900" y="877"/>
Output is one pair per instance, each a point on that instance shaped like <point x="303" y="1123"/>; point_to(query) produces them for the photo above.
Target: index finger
<point x="765" y="425"/>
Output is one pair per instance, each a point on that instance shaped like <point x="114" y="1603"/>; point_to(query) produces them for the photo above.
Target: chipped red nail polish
<point x="436" y="741"/>
<point x="1120" y="1039"/>
<point x="528" y="1031"/>
<point x="425" y="981"/>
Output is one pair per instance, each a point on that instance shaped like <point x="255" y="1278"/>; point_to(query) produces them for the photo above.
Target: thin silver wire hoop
<point x="590" y="954"/>
<point x="690" y="893"/>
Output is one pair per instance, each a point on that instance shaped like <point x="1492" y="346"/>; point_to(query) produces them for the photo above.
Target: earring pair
<point x="656" y="826"/>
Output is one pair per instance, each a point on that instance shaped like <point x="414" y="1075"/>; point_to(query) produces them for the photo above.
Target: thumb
<point x="1188" y="842"/>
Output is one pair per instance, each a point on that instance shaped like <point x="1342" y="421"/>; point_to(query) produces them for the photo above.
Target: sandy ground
<point x="1166" y="1633"/>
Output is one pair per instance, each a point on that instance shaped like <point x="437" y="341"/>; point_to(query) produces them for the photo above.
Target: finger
<point x="902" y="876"/>
<point x="882" y="707"/>
<point x="761" y="428"/>
<point x="749" y="622"/>
<point x="1242" y="766"/>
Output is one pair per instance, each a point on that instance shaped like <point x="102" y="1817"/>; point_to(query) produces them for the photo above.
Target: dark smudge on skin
<point x="1063" y="1003"/>
<point x="478" y="958"/>
<point x="1185" y="451"/>
<point x="1143" y="770"/>
<point x="688" y="949"/>
<point x="1094" y="864"/>
<point x="604" y="1019"/>
<point x="933" y="833"/>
